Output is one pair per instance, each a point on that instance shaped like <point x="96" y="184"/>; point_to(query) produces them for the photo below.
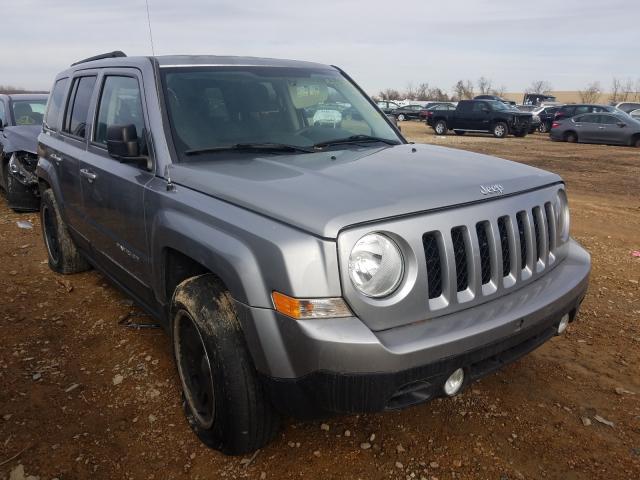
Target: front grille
<point x="527" y="231"/>
<point x="460" y="253"/>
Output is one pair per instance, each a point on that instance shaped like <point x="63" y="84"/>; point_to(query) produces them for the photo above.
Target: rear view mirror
<point x="122" y="141"/>
<point x="123" y="144"/>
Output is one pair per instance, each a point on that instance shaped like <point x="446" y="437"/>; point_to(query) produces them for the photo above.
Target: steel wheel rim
<point x="50" y="235"/>
<point x="194" y="369"/>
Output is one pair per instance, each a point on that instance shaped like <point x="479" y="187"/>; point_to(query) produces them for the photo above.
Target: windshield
<point x="216" y="107"/>
<point x="28" y="112"/>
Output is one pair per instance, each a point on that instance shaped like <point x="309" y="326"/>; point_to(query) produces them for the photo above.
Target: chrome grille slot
<point x="485" y="251"/>
<point x="521" y="219"/>
<point x="535" y="213"/>
<point x="460" y="253"/>
<point x="551" y="225"/>
<point x="503" y="229"/>
<point x="432" y="245"/>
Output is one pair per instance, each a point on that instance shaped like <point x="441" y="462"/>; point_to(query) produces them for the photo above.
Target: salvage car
<point x="571" y="110"/>
<point x="482" y="116"/>
<point x="299" y="268"/>
<point x="615" y="128"/>
<point x="20" y="123"/>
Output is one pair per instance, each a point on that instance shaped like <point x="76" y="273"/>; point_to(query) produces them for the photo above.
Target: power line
<point x="153" y="51"/>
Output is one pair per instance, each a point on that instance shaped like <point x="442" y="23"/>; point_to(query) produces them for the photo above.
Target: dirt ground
<point x="83" y="397"/>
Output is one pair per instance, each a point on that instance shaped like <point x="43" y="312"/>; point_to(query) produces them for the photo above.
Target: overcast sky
<point x="568" y="43"/>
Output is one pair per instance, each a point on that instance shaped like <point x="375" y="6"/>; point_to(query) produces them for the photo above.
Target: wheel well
<point x="179" y="267"/>
<point x="569" y="132"/>
<point x="42" y="185"/>
<point x="634" y="138"/>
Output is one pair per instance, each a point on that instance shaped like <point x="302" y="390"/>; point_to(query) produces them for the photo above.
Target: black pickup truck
<point x="488" y="116"/>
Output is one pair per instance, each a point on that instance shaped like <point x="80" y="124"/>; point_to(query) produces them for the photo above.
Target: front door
<point x="480" y="117"/>
<point x="113" y="191"/>
<point x="587" y="127"/>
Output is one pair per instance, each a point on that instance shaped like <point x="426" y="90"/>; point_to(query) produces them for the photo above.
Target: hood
<point x="20" y="138"/>
<point x="322" y="196"/>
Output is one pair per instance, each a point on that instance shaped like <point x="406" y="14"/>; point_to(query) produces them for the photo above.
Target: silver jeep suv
<point x="301" y="266"/>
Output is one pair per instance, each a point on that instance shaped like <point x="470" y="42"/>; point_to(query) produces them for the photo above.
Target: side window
<point x="479" y="107"/>
<point x="54" y="107"/>
<point x="583" y="109"/>
<point x="75" y="120"/>
<point x="608" y="119"/>
<point x="587" y="119"/>
<point x="466" y="107"/>
<point x="120" y="104"/>
<point x="3" y="116"/>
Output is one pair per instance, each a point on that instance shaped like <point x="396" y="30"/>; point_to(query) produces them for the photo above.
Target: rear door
<point x="587" y="127"/>
<point x="113" y="191"/>
<point x="461" y="118"/>
<point x="66" y="153"/>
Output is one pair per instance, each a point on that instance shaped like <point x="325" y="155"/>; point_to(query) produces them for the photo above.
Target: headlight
<point x="376" y="265"/>
<point x="562" y="214"/>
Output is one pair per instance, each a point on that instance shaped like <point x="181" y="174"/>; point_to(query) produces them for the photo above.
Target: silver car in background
<point x="610" y="128"/>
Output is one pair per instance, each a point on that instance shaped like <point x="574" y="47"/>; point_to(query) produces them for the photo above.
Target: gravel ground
<point x="83" y="397"/>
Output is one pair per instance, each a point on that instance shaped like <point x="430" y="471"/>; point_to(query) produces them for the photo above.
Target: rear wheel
<point x="635" y="142"/>
<point x="440" y="127"/>
<point x="64" y="256"/>
<point x="500" y="130"/>
<point x="224" y="401"/>
<point x="401" y="118"/>
<point x="571" y="137"/>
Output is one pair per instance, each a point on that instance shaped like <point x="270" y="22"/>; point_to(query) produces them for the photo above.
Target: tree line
<point x="620" y="91"/>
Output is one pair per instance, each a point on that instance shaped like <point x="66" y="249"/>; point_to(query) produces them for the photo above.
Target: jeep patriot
<point x="301" y="266"/>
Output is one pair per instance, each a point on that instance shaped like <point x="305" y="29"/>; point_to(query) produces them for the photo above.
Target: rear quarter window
<point x="75" y="122"/>
<point x="52" y="118"/>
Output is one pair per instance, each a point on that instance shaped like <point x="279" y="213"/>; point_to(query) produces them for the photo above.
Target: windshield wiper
<point x="266" y="147"/>
<point x="357" y="139"/>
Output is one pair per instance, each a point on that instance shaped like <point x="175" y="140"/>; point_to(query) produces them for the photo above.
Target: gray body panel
<point x="286" y="223"/>
<point x="323" y="196"/>
<point x="603" y="133"/>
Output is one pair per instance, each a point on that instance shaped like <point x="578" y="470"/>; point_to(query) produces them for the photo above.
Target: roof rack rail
<point x="114" y="54"/>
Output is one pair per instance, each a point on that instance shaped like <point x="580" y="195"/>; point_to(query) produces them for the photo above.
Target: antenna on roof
<point x="153" y="52"/>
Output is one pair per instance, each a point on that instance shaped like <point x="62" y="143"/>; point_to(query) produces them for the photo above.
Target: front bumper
<point x="340" y="365"/>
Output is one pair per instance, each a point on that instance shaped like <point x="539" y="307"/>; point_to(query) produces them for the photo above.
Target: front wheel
<point x="224" y="401"/>
<point x="440" y="127"/>
<point x="500" y="130"/>
<point x="544" y="127"/>
<point x="401" y="118"/>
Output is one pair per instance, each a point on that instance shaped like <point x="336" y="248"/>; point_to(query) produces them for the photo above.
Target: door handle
<point x="56" y="158"/>
<point x="90" y="176"/>
<point x="601" y="128"/>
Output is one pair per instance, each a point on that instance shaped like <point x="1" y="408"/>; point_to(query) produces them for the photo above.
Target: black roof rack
<point x="114" y="54"/>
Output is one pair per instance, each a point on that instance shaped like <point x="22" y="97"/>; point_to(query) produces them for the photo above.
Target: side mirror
<point x="122" y="141"/>
<point x="123" y="144"/>
<point x="622" y="124"/>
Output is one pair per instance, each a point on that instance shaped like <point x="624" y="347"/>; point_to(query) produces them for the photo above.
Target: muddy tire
<point x="571" y="137"/>
<point x="64" y="256"/>
<point x="440" y="127"/>
<point x="223" y="399"/>
<point x="500" y="130"/>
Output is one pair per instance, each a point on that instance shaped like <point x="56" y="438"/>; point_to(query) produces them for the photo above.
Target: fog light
<point x="564" y="322"/>
<point x="454" y="382"/>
